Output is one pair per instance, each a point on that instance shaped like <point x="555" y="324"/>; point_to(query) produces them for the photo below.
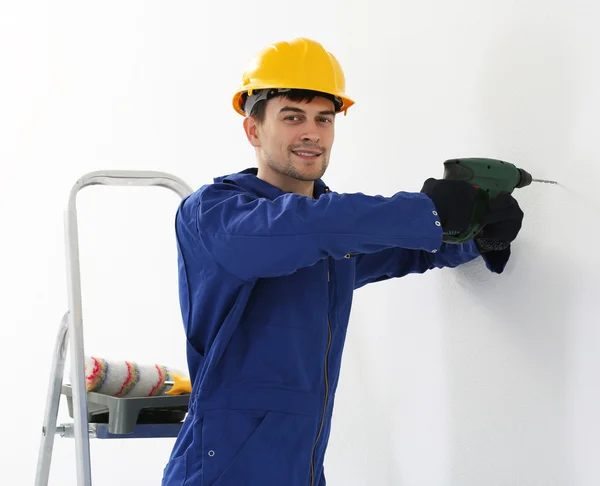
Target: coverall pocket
<point x="256" y="448"/>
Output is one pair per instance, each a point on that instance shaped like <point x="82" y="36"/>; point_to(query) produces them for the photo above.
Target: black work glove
<point x="454" y="202"/>
<point x="500" y="225"/>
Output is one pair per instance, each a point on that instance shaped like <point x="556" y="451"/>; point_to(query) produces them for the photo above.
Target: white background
<point x="454" y="378"/>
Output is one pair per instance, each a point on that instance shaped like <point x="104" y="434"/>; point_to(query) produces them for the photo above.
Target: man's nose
<point x="310" y="136"/>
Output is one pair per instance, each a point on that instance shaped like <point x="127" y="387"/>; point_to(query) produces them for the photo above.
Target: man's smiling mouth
<point x="307" y="153"/>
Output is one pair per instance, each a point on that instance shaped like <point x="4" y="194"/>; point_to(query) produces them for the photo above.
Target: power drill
<point x="490" y="177"/>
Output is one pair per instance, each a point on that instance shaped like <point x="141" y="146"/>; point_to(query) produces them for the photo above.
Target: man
<point x="269" y="259"/>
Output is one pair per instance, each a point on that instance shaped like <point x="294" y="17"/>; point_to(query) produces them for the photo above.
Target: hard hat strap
<point x="254" y="96"/>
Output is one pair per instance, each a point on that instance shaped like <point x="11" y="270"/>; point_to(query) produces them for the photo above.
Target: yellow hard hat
<point x="299" y="64"/>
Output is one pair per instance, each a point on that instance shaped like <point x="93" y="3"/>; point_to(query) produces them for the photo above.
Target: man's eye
<point x="325" y="120"/>
<point x="292" y="117"/>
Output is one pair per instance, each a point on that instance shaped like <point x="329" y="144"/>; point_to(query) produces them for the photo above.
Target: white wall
<point x="455" y="378"/>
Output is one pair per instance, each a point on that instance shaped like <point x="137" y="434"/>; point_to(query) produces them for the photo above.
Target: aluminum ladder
<point x="122" y="412"/>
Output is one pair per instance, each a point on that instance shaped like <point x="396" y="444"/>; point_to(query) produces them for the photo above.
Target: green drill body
<point x="491" y="177"/>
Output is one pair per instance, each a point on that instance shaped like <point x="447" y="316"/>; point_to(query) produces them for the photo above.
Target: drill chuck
<point x="525" y="179"/>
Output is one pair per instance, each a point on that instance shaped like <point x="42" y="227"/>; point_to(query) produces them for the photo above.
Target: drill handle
<point x="475" y="222"/>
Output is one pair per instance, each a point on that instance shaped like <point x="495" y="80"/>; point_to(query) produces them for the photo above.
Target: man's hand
<point x="501" y="224"/>
<point x="454" y="202"/>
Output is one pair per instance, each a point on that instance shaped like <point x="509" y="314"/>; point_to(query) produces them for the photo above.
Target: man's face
<point x="295" y="138"/>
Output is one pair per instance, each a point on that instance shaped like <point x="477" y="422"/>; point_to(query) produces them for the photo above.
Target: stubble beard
<point x="289" y="170"/>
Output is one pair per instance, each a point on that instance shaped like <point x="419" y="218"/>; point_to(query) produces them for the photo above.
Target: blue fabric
<point x="266" y="283"/>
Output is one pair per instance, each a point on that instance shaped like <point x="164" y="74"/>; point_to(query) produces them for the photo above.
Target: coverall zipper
<point x="312" y="462"/>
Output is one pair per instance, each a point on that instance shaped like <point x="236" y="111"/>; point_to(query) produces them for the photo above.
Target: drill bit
<point x="544" y="181"/>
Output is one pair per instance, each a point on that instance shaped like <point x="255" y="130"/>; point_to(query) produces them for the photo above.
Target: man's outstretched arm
<point x="502" y="224"/>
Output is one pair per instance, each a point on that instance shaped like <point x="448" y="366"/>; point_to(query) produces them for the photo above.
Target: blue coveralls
<point x="266" y="282"/>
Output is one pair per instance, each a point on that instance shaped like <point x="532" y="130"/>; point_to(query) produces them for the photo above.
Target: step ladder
<point x="96" y="415"/>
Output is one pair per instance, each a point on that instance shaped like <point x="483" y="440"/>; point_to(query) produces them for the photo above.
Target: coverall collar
<point x="248" y="180"/>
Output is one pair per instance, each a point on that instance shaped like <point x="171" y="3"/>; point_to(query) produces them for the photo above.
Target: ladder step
<point x="123" y="415"/>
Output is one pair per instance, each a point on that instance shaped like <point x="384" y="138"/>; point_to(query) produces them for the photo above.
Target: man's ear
<point x="251" y="128"/>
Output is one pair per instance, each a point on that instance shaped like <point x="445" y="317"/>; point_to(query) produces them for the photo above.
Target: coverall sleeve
<point x="398" y="262"/>
<point x="253" y="237"/>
